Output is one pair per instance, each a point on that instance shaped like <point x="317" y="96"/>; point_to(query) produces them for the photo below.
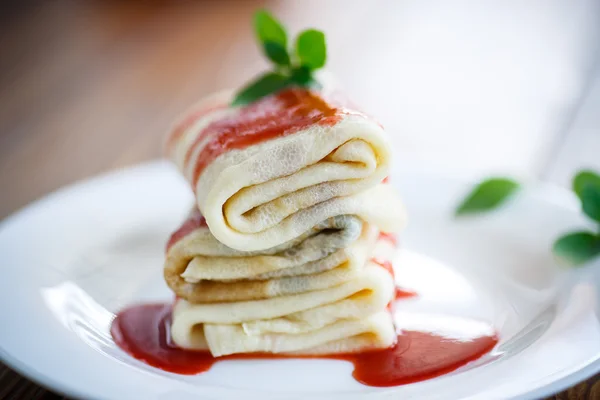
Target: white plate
<point x="74" y="258"/>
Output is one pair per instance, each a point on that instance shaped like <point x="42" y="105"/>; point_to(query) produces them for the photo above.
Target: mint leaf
<point x="577" y="248"/>
<point x="311" y="49"/>
<point x="590" y="202"/>
<point x="276" y="53"/>
<point x="289" y="70"/>
<point x="487" y="195"/>
<point x="263" y="86"/>
<point x="585" y="178"/>
<point x="587" y="186"/>
<point x="268" y="29"/>
<point x="302" y="76"/>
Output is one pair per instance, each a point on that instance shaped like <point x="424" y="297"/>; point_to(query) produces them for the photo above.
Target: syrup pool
<point x="143" y="332"/>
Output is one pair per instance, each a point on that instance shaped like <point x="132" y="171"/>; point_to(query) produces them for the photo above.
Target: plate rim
<point x="560" y="196"/>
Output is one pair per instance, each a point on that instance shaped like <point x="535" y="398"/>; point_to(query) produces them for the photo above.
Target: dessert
<point x="288" y="249"/>
<point x="290" y="204"/>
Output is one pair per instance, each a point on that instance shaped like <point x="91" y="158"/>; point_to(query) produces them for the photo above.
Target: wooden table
<point x="90" y="86"/>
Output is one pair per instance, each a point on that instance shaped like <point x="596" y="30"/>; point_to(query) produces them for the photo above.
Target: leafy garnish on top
<point x="290" y="67"/>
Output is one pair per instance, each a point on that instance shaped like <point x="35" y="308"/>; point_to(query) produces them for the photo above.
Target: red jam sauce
<point x="194" y="221"/>
<point x="271" y="117"/>
<point x="385" y="264"/>
<point x="417" y="356"/>
<point x="390" y="237"/>
<point x="188" y="121"/>
<point x="403" y="293"/>
<point x="143" y="332"/>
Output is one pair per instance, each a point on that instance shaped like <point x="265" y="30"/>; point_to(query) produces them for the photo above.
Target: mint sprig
<point x="290" y="68"/>
<point x="577" y="248"/>
<point x="311" y="49"/>
<point x="574" y="248"/>
<point x="586" y="185"/>
<point x="264" y="85"/>
<point x="487" y="195"/>
<point x="268" y="29"/>
<point x="580" y="247"/>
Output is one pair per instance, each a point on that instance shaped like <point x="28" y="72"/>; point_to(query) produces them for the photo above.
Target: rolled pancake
<point x="201" y="270"/>
<point x="268" y="172"/>
<point x="340" y="319"/>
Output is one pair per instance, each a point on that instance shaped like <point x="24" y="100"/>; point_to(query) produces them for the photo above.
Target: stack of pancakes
<point x="283" y="251"/>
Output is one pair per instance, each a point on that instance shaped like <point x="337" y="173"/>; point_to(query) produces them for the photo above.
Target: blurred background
<point x="464" y="87"/>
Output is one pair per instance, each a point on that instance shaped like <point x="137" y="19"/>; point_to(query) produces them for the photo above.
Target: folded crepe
<point x="269" y="172"/>
<point x="200" y="269"/>
<point x="345" y="318"/>
<point x="283" y="252"/>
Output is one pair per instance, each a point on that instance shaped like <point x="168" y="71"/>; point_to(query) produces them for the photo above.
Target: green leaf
<point x="268" y="29"/>
<point x="590" y="202"/>
<point x="302" y="76"/>
<point x="311" y="49"/>
<point x="263" y="86"/>
<point x="585" y="178"/>
<point x="487" y="195"/>
<point x="276" y="53"/>
<point x="587" y="186"/>
<point x="577" y="248"/>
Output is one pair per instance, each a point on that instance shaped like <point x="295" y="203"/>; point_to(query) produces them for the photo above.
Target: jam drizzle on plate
<point x="143" y="331"/>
